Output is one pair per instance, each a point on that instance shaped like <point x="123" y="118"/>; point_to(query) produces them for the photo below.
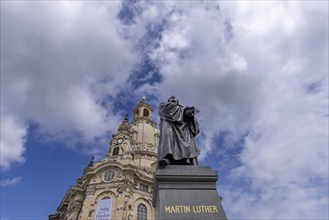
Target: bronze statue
<point x="178" y="127"/>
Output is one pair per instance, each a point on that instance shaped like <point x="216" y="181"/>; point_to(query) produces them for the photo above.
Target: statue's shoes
<point x="164" y="162"/>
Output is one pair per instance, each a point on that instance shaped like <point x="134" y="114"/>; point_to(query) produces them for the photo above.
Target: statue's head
<point x="173" y="99"/>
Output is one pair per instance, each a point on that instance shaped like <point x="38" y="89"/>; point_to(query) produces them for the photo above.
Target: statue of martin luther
<point x="178" y="127"/>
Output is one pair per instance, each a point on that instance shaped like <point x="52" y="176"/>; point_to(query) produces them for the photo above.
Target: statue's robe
<point x="177" y="133"/>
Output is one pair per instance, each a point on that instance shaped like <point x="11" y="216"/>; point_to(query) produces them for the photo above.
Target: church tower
<point x="123" y="180"/>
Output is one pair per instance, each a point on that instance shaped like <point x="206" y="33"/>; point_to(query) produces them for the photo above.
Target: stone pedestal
<point x="187" y="192"/>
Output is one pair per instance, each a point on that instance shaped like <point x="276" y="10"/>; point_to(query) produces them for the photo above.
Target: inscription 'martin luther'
<point x="191" y="209"/>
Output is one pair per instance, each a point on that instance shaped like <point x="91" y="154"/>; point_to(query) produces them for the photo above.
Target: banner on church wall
<point x="104" y="210"/>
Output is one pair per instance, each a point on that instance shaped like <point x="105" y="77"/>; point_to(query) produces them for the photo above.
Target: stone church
<point x="123" y="179"/>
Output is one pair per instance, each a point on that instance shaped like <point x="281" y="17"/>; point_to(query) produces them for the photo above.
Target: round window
<point x="109" y="175"/>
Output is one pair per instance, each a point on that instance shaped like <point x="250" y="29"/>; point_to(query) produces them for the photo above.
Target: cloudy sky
<point x="258" y="72"/>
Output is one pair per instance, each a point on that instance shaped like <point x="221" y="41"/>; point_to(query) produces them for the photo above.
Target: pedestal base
<point x="187" y="193"/>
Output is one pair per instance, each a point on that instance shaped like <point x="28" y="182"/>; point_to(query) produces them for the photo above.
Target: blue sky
<point x="258" y="72"/>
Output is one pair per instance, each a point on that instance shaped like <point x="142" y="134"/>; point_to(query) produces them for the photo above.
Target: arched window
<point x="141" y="212"/>
<point x="115" y="151"/>
<point x="146" y="112"/>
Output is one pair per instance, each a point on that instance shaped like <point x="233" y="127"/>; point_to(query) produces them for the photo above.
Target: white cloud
<point x="59" y="62"/>
<point x="12" y="141"/>
<point x="284" y="160"/>
<point x="10" y="182"/>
